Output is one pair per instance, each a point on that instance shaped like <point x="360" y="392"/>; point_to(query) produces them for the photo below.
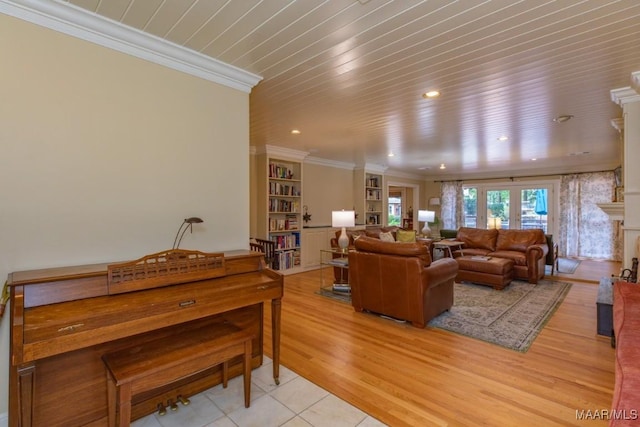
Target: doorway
<point x="403" y="198"/>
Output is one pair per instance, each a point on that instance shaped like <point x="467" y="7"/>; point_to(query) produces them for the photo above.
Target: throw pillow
<point x="387" y="237"/>
<point x="408" y="236"/>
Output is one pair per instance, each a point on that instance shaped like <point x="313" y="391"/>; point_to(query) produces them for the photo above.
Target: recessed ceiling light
<point x="442" y="166"/>
<point x="295" y="132"/>
<point x="503" y="138"/>
<point x="431" y="94"/>
<point x="563" y="118"/>
<point x="534" y="159"/>
<point x="390" y="155"/>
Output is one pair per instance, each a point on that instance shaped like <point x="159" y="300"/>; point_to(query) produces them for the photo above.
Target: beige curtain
<point x="585" y="230"/>
<point x="452" y="205"/>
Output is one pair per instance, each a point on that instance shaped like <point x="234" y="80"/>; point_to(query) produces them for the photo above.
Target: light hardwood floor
<point x="405" y="376"/>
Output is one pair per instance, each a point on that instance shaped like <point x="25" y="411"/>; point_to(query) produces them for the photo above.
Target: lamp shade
<point x="495" y="222"/>
<point x="343" y="218"/>
<point x="426" y="216"/>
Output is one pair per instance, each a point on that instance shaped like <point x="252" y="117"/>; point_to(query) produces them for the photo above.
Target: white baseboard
<point x="4" y="419"/>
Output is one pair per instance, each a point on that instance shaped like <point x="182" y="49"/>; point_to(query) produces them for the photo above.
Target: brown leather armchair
<point x="399" y="280"/>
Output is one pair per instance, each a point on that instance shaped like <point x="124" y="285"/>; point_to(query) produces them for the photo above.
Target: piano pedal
<point x="183" y="400"/>
<point x="162" y="411"/>
<point x="172" y="405"/>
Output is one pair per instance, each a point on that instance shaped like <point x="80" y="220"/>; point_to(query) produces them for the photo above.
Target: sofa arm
<point x="536" y="256"/>
<point x="441" y="271"/>
<point x="537" y="251"/>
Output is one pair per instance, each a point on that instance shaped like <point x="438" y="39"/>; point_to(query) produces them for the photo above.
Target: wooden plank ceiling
<point x="349" y="75"/>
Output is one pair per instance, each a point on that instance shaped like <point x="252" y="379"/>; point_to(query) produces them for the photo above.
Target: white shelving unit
<point x="369" y="195"/>
<point x="279" y="208"/>
<point x="285" y="207"/>
<point x="373" y="199"/>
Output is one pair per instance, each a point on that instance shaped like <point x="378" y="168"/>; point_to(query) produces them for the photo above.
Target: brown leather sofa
<point x="526" y="248"/>
<point x="369" y="232"/>
<point x="399" y="280"/>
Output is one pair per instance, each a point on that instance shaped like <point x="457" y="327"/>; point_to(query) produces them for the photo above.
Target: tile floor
<point x="296" y="402"/>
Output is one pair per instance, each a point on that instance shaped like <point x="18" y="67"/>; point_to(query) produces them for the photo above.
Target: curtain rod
<point x="515" y="177"/>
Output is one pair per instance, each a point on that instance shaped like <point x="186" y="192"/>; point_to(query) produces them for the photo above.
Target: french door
<point x="511" y="205"/>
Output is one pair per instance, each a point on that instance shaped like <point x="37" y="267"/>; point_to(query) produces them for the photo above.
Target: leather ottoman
<point x="490" y="271"/>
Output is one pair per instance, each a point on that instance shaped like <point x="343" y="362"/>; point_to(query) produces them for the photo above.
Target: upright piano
<point x="64" y="319"/>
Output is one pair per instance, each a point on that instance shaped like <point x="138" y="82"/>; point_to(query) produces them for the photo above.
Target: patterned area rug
<point x="511" y="318"/>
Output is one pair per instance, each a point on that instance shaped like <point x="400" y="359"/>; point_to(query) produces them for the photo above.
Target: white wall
<point x="102" y="156"/>
<point x="326" y="189"/>
<point x="631" y="182"/>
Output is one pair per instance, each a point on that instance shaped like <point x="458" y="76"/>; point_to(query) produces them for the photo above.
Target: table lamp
<point x="343" y="219"/>
<point x="495" y="222"/>
<point x="427" y="217"/>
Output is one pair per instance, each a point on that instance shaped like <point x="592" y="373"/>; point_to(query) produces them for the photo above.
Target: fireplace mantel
<point x="615" y="210"/>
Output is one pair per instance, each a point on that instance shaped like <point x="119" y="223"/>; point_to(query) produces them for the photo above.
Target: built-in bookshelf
<point x="284" y="219"/>
<point x="369" y="195"/>
<point x="373" y="199"/>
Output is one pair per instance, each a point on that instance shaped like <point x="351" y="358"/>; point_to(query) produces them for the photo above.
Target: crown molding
<point x="624" y="95"/>
<point x="635" y="81"/>
<point x="287" y="153"/>
<point x="372" y="167"/>
<point x="329" y="163"/>
<point x="76" y="22"/>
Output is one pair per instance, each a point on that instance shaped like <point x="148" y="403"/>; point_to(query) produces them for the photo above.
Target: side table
<point x="448" y="246"/>
<point x="334" y="271"/>
<point x="604" y="306"/>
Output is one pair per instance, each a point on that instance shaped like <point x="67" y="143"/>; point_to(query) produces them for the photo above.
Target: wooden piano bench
<point x="154" y="364"/>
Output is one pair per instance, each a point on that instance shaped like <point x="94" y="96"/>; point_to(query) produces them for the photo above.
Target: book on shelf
<point x="290" y="223"/>
<point x="373" y="194"/>
<point x="288" y="259"/>
<point x="287" y="241"/>
<point x="280" y="171"/>
<point x="373" y="182"/>
<point x="279" y="189"/>
<point x="339" y="261"/>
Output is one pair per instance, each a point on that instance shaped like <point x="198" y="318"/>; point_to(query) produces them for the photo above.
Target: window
<point x="511" y="205"/>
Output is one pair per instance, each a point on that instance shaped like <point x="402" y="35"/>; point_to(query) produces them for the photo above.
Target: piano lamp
<point x="343" y="219"/>
<point x="427" y="217"/>
<point x="186" y="224"/>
